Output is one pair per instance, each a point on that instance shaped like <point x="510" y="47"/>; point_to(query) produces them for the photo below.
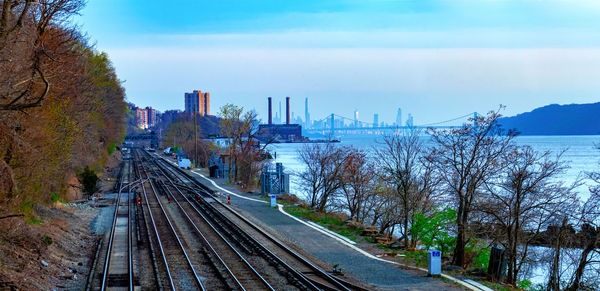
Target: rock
<point x="397" y="245"/>
<point x="479" y="272"/>
<point x="44" y="263"/>
<point x="69" y="276"/>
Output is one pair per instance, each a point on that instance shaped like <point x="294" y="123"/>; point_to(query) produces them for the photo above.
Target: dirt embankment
<point x="55" y="249"/>
<point x="52" y="254"/>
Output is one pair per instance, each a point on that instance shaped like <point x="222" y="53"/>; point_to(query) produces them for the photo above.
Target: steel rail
<point x="152" y="250"/>
<point x="196" y="277"/>
<point x="205" y="219"/>
<point x="208" y="191"/>
<point x="112" y="236"/>
<point x="299" y="275"/>
<point x="145" y="221"/>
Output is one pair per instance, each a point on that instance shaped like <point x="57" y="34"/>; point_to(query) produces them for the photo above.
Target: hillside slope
<point x="554" y="119"/>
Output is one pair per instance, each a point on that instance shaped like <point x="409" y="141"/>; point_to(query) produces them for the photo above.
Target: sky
<point x="434" y="59"/>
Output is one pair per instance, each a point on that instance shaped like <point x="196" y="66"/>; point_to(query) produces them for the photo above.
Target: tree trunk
<point x="406" y="241"/>
<point x="583" y="263"/>
<point x="458" y="259"/>
<point x="554" y="282"/>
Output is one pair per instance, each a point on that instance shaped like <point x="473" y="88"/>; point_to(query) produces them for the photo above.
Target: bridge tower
<point x="332" y="125"/>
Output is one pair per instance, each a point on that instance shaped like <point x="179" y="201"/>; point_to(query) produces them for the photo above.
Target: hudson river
<point x="581" y="154"/>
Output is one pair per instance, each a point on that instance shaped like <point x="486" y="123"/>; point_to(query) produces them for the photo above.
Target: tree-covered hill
<point x="554" y="119"/>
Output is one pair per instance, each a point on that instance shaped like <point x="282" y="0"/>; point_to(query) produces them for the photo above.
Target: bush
<point x="47" y="240"/>
<point x="434" y="230"/>
<point x="481" y="254"/>
<point x="111" y="148"/>
<point x="89" y="180"/>
<point x="54" y="197"/>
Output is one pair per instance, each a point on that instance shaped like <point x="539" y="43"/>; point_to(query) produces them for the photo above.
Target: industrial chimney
<point x="287" y="110"/>
<point x="270" y="112"/>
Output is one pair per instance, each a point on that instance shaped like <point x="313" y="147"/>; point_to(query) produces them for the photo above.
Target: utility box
<point x="434" y="263"/>
<point x="273" y="200"/>
<point x="274" y="181"/>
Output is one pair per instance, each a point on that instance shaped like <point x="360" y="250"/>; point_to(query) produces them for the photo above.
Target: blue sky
<point x="434" y="59"/>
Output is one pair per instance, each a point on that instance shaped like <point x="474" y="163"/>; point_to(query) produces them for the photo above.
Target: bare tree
<point x="465" y="158"/>
<point x="24" y="33"/>
<point x="232" y="127"/>
<point x="523" y="200"/>
<point x="403" y="166"/>
<point x="321" y="176"/>
<point x="587" y="267"/>
<point x="28" y="50"/>
<point x="246" y="152"/>
<point x="356" y="182"/>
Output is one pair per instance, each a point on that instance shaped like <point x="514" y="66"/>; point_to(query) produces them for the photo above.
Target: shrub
<point x="47" y="240"/>
<point x="89" y="180"/>
<point x="54" y="197"/>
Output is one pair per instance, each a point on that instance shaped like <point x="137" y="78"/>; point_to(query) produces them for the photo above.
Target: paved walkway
<point x="383" y="275"/>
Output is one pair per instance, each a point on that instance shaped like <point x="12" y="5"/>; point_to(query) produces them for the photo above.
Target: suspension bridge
<point x="336" y="123"/>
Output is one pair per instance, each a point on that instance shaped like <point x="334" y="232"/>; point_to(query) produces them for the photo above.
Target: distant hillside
<point x="554" y="119"/>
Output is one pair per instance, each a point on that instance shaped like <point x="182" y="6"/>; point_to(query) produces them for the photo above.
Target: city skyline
<point x="435" y="59"/>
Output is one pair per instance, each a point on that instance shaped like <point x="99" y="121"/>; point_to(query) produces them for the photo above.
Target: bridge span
<point x="329" y="125"/>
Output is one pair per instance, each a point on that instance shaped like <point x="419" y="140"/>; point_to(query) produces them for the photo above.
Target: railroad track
<point x="116" y="271"/>
<point x="243" y="235"/>
<point x="241" y="275"/>
<point x="179" y="272"/>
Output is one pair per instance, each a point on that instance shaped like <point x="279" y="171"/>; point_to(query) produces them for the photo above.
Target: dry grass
<point x="62" y="239"/>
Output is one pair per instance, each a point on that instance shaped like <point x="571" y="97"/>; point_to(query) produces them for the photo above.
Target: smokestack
<point x="270" y="112"/>
<point x="287" y="110"/>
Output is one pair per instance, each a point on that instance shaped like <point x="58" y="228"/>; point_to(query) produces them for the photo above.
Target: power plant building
<point x="279" y="132"/>
<point x="197" y="101"/>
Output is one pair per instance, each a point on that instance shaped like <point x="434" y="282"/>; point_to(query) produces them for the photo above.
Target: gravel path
<point x="380" y="274"/>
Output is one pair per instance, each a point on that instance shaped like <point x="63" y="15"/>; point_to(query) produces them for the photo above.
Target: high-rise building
<point x="280" y="116"/>
<point x="375" y="120"/>
<point x="306" y="115"/>
<point x="399" y="117"/>
<point x="145" y="117"/>
<point x="151" y="113"/>
<point x="410" y="121"/>
<point x="197" y="102"/>
<point x="141" y="118"/>
<point x="355" y="118"/>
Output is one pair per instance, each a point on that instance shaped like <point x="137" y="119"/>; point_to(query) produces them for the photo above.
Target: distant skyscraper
<point x="409" y="120"/>
<point x="280" y="116"/>
<point x="151" y="116"/>
<point x="197" y="102"/>
<point x="355" y="118"/>
<point x="399" y="117"/>
<point x="375" y="120"/>
<point x="141" y="117"/>
<point x="145" y="117"/>
<point x="306" y="115"/>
